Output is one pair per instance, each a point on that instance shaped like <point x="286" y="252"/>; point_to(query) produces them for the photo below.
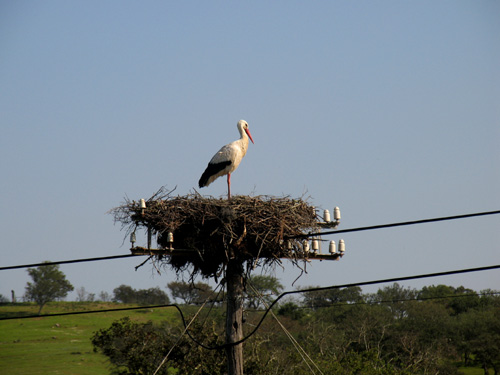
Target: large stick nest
<point x="254" y="230"/>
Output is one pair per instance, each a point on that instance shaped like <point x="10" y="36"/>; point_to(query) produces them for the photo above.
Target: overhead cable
<point x="91" y="312"/>
<point x="364" y="283"/>
<point x="359" y="229"/>
<point x="218" y="347"/>
<point x="400" y="224"/>
<point x="70" y="261"/>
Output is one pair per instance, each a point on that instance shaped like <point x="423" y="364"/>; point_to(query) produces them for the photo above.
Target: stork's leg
<point x="229" y="186"/>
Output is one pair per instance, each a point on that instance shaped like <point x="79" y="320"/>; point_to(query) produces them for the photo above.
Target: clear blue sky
<point x="388" y="109"/>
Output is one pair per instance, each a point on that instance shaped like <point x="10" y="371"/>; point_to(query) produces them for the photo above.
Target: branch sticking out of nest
<point x="250" y="229"/>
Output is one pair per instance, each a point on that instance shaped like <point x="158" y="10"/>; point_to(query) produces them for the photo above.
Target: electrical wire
<point x="387" y="301"/>
<point x="256" y="310"/>
<point x="213" y="302"/>
<point x="404" y="223"/>
<point x="182" y="334"/>
<point x="359" y="229"/>
<point x="218" y="347"/>
<point x="93" y="312"/>
<point x="364" y="283"/>
<point x="71" y="261"/>
<point x="295" y="343"/>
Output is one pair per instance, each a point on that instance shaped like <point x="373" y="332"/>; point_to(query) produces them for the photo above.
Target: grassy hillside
<point x="61" y="345"/>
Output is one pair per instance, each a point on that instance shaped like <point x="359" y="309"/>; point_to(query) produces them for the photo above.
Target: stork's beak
<point x="249" y="135"/>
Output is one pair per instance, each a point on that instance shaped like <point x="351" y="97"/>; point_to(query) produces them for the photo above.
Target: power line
<point x="180" y="337"/>
<point x="364" y="283"/>
<point x="359" y="229"/>
<point x="295" y="343"/>
<point x="417" y="299"/>
<point x="256" y="310"/>
<point x="218" y="347"/>
<point x="70" y="261"/>
<point x="93" y="312"/>
<point x="400" y="224"/>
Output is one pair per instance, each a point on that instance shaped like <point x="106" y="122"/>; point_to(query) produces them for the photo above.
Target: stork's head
<point x="243" y="127"/>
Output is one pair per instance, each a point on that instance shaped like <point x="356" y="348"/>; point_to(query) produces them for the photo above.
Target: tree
<point x="259" y="289"/>
<point x="124" y="294"/>
<point x="140" y="348"/>
<point x="104" y="296"/>
<point x="292" y="310"/>
<point x="442" y="294"/>
<point x="49" y="284"/>
<point x="479" y="337"/>
<point x="127" y="294"/>
<point x="195" y="294"/>
<point x="396" y="294"/>
<point x="83" y="296"/>
<point x="323" y="298"/>
<point x="151" y="296"/>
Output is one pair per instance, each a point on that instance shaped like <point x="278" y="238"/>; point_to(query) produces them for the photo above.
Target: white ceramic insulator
<point x="315" y="245"/>
<point x="336" y="213"/>
<point x="306" y="246"/>
<point x="326" y="216"/>
<point x="332" y="248"/>
<point x="341" y="246"/>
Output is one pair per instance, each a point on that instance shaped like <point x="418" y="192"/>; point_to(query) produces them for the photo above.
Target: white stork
<point x="227" y="159"/>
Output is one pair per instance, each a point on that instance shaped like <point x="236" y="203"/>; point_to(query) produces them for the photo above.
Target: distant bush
<point x="151" y="296"/>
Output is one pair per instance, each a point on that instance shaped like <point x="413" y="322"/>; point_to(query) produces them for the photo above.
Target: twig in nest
<point x="143" y="263"/>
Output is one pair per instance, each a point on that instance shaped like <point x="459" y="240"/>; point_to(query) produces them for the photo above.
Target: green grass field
<point x="61" y="345"/>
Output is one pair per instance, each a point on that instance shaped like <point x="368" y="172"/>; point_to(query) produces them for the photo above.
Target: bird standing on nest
<point x="227" y="159"/>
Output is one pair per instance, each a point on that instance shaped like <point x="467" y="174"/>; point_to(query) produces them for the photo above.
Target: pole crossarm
<point x="138" y="250"/>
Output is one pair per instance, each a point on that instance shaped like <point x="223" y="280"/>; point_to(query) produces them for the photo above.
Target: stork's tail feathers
<point x="203" y="180"/>
<point x="212" y="172"/>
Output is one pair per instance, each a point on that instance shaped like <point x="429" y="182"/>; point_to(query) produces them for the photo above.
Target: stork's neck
<point x="243" y="141"/>
<point x="243" y="134"/>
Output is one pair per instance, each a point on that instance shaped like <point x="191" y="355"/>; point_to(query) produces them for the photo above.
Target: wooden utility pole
<point x="234" y="316"/>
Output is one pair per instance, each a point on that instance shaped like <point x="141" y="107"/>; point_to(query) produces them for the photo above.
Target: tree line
<point x="49" y="283"/>
<point x="397" y="330"/>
